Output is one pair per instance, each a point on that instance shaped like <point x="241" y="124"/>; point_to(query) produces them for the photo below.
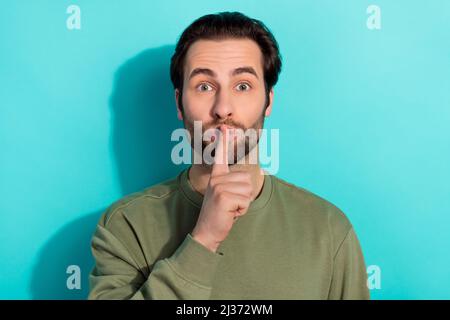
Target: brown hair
<point x="228" y="25"/>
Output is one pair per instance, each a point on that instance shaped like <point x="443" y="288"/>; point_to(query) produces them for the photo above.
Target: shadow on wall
<point x="143" y="116"/>
<point x="69" y="246"/>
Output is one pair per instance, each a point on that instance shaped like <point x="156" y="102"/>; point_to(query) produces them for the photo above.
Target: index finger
<point x="220" y="165"/>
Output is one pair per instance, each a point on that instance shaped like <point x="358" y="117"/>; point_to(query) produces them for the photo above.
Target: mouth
<point x="227" y="127"/>
<point x="232" y="134"/>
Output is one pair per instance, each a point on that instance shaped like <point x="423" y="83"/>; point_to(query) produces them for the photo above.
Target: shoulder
<point x="320" y="213"/>
<point x="140" y="202"/>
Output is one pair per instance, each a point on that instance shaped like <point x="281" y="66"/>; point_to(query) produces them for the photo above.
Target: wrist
<point x="205" y="241"/>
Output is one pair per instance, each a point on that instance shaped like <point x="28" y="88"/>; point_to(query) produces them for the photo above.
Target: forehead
<point x="224" y="55"/>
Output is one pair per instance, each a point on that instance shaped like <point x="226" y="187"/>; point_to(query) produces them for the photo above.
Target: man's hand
<point x="228" y="195"/>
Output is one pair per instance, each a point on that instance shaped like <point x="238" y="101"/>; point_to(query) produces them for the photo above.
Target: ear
<point x="179" y="113"/>
<point x="269" y="107"/>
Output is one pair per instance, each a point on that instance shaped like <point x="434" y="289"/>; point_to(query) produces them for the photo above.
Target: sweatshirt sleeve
<point x="186" y="275"/>
<point x="349" y="278"/>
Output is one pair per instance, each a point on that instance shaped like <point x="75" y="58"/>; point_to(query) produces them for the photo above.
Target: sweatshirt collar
<point x="197" y="198"/>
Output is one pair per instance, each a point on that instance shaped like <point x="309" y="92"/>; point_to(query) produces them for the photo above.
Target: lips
<point x="225" y="126"/>
<point x="229" y="129"/>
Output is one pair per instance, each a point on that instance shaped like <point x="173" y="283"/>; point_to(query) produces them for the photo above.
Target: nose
<point x="223" y="107"/>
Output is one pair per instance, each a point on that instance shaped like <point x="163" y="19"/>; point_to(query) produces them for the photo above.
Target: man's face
<point x="224" y="84"/>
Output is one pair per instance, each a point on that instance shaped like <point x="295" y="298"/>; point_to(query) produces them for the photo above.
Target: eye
<point x="204" y="87"/>
<point x="243" y="86"/>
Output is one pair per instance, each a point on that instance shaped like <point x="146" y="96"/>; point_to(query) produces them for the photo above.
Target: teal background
<point x="86" y="117"/>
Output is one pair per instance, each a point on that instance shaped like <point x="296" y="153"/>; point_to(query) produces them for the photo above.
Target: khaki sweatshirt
<point x="291" y="244"/>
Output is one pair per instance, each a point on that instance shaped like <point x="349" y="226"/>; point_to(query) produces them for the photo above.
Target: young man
<point x="226" y="230"/>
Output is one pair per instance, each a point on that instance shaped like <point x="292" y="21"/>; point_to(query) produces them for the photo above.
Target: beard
<point x="239" y="147"/>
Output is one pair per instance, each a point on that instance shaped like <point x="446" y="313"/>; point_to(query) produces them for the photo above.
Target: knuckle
<point x="212" y="181"/>
<point x="247" y="174"/>
<point x="217" y="189"/>
<point x="221" y="197"/>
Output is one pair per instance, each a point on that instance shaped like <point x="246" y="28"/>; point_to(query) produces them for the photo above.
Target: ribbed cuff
<point x="195" y="262"/>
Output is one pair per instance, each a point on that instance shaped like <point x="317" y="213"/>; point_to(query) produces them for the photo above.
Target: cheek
<point x="251" y="104"/>
<point x="197" y="107"/>
<point x="193" y="100"/>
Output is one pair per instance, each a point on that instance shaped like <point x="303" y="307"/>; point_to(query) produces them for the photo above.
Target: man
<point x="226" y="230"/>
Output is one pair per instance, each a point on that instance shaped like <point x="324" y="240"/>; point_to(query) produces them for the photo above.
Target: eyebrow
<point x="209" y="72"/>
<point x="244" y="70"/>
